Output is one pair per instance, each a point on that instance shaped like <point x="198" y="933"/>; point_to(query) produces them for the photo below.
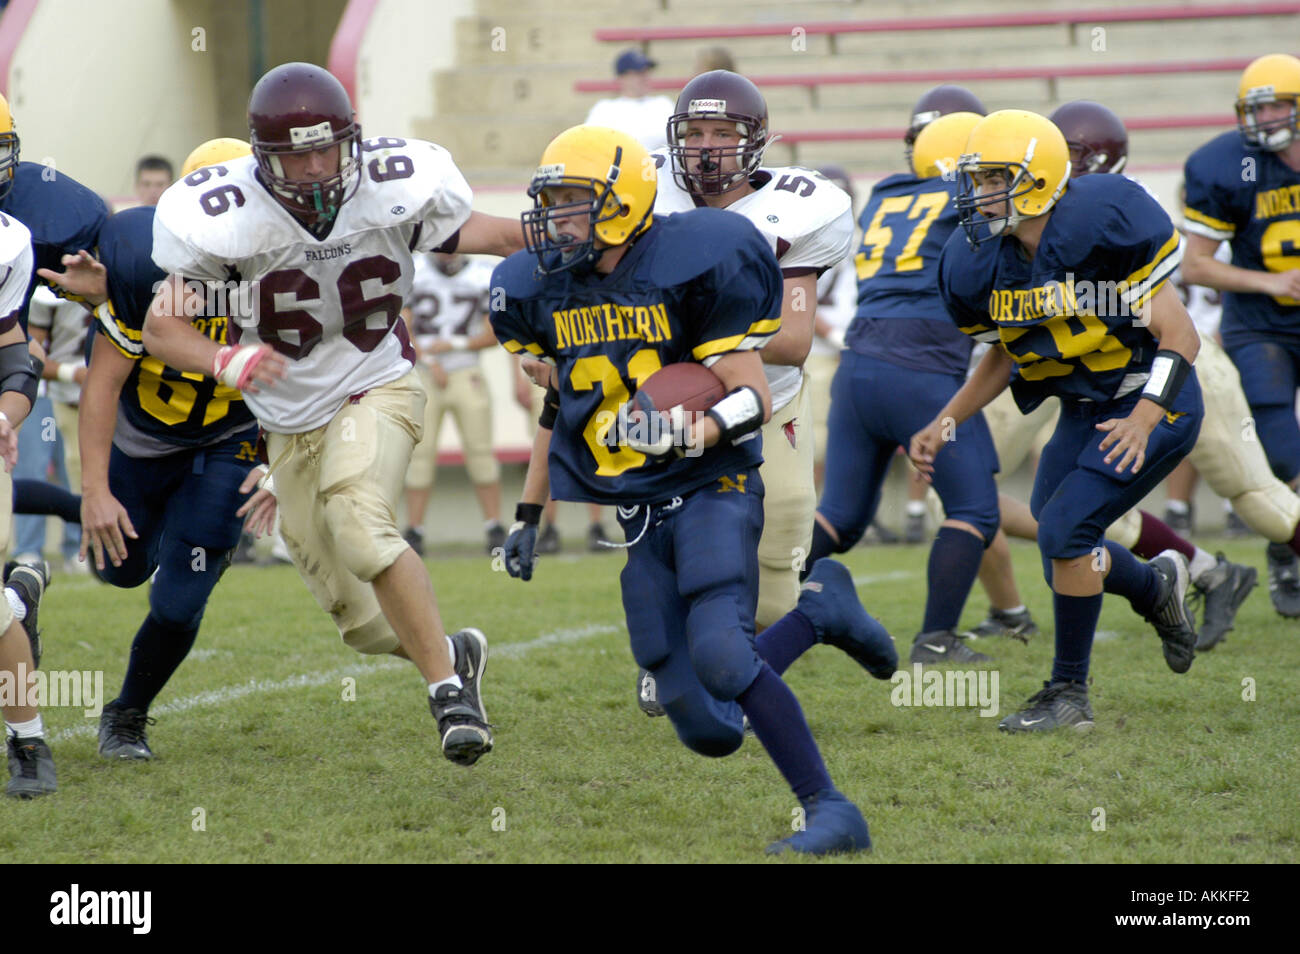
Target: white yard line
<point x="216" y="697"/>
<point x="883" y="577"/>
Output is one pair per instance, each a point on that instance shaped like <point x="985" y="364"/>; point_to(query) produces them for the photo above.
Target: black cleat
<point x="1181" y="522"/>
<point x="882" y="533"/>
<point x="462" y="719"/>
<point x="1169" y="616"/>
<point x="647" y="694"/>
<point x="496" y="538"/>
<point x="1018" y="625"/>
<point x="914" y="528"/>
<point x="1058" y="705"/>
<point x="1284" y="580"/>
<point x="122" y="733"/>
<point x="28" y="581"/>
<point x="414" y="536"/>
<point x="1222" y="590"/>
<point x="596" y="539"/>
<point x="944" y="646"/>
<point x="31" y="769"/>
<point x="1234" y="526"/>
<point x="548" y="541"/>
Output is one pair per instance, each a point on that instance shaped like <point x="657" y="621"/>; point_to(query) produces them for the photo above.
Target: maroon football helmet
<point x="299" y="108"/>
<point x="939" y="101"/>
<point x="718" y="95"/>
<point x="1097" y="137"/>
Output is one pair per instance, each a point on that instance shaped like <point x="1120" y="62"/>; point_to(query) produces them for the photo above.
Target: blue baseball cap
<point x="633" y="61"/>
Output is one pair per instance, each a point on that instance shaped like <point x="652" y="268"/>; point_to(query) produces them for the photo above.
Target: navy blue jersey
<point x="901" y="318"/>
<point x="63" y="215"/>
<point x="184" y="409"/>
<point x="696" y="286"/>
<point x="1071" y="318"/>
<point x="1251" y="199"/>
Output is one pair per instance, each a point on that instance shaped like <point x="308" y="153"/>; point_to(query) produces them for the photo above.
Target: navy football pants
<point x="690" y="588"/>
<point x="183" y="509"/>
<point x="1270" y="374"/>
<point x="876" y="407"/>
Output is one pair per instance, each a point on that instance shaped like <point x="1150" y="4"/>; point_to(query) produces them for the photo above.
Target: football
<point x="691" y="385"/>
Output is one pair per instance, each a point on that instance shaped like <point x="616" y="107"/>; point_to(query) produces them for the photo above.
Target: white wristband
<point x="5" y="417"/>
<point x="67" y="373"/>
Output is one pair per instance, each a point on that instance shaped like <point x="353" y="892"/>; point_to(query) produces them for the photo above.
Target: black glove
<point x="522" y="542"/>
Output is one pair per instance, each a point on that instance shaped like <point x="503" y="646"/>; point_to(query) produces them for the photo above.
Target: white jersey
<point x="807" y="220"/>
<point x="329" y="305"/>
<point x="1204" y="305"/>
<point x="16" y="264"/>
<point x="448" y="306"/>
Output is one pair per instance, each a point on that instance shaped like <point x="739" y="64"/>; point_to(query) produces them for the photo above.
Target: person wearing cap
<point x="634" y="111"/>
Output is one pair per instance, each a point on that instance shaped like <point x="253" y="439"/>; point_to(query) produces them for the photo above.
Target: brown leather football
<point x="691" y="385"/>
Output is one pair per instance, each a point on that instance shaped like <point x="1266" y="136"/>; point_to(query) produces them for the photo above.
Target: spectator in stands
<point x="714" y="58"/>
<point x="153" y="174"/>
<point x="634" y="111"/>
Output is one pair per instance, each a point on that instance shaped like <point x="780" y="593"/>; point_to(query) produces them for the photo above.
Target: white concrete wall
<point x="94" y="85"/>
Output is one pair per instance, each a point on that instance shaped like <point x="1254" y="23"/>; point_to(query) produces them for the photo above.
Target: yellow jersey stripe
<point x="755" y="337"/>
<point x="1166" y="250"/>
<point x="1217" y="224"/>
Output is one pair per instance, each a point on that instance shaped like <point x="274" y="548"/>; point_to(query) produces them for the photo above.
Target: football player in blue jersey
<point x="169" y="461"/>
<point x="1243" y="188"/>
<point x="903" y="360"/>
<point x="1069" y="281"/>
<point x="612" y="295"/>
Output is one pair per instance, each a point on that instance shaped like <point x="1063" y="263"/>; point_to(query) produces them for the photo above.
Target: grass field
<point x="255" y="732"/>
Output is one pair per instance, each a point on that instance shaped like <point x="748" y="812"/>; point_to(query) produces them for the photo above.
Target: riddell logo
<point x="77" y="907"/>
<point x="708" y="106"/>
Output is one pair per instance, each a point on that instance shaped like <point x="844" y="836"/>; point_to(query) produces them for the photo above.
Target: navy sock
<point x="1076" y="624"/>
<point x="823" y="545"/>
<point x="785" y="641"/>
<point x="1132" y="579"/>
<point x="156" y="653"/>
<point x="954" y="562"/>
<point x="778" y="721"/>
<point x="40" y="497"/>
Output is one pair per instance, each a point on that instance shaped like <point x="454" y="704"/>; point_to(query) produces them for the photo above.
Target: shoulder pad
<point x="434" y="182"/>
<point x="517" y="278"/>
<point x="693" y="243"/>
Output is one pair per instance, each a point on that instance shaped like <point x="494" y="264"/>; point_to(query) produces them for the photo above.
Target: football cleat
<point x="647" y="694"/>
<point x="1058" y="705"/>
<point x="944" y="646"/>
<point x="548" y="541"/>
<point x="882" y="533"/>
<point x="1284" y="580"/>
<point x="1013" y="625"/>
<point x="122" y="733"/>
<point x="1169" y="617"/>
<point x="1234" y="526"/>
<point x="28" y="581"/>
<point x="596" y="539"/>
<point x="1222" y="590"/>
<point x="1181" y="521"/>
<point x="31" y="769"/>
<point x="496" y="538"/>
<point x="462" y="718"/>
<point x="914" y="528"/>
<point x="832" y="825"/>
<point x="830" y="601"/>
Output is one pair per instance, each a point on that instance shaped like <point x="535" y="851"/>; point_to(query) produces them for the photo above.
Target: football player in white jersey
<point x="31" y="767"/>
<point x="319" y="228"/>
<point x="447" y="317"/>
<point x="716" y="139"/>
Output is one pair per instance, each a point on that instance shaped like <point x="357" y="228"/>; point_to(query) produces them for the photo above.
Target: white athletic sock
<point x="16" y="604"/>
<point x="449" y="681"/>
<point x="1201" y="563"/>
<point x="32" y="729"/>
<point x="915" y="508"/>
<point x="1014" y="609"/>
<point x="1177" y="506"/>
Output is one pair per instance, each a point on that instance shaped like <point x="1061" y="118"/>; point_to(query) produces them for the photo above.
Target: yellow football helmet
<point x="1270" y="79"/>
<point x="214" y="151"/>
<point x="623" y="182"/>
<point x="8" y="148"/>
<point x="1030" y="152"/>
<point x="941" y="143"/>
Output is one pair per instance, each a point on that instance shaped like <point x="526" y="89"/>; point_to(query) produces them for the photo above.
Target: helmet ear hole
<point x="1040" y="183"/>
